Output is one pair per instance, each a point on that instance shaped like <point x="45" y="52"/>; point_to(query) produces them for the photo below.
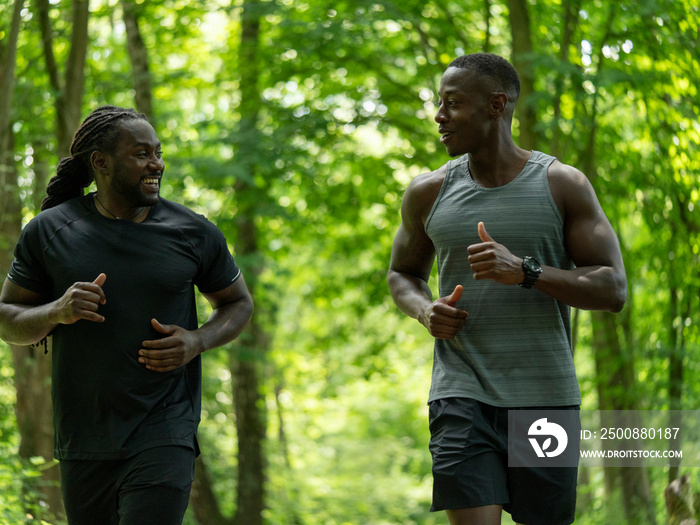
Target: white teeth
<point x="150" y="181"/>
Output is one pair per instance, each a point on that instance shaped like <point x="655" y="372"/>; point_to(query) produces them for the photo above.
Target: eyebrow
<point x="146" y="145"/>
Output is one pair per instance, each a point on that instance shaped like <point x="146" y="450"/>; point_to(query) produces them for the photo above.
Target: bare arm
<point x="27" y="317"/>
<point x="412" y="258"/>
<point x="598" y="282"/>
<point x="233" y="308"/>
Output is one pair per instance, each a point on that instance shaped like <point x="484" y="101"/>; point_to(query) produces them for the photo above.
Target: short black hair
<point x="493" y="66"/>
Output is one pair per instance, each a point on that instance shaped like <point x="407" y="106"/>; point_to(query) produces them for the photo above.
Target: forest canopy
<point x="295" y="126"/>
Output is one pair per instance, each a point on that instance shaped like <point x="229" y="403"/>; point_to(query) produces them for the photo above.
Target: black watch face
<point x="532" y="265"/>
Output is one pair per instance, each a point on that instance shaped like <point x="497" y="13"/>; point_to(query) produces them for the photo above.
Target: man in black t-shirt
<point x="111" y="276"/>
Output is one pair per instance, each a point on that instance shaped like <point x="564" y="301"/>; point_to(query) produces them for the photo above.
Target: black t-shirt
<point x="106" y="404"/>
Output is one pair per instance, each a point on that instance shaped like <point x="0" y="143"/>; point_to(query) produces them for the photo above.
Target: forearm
<point x="586" y="288"/>
<point x="225" y="323"/>
<point x="410" y="293"/>
<point x="25" y="325"/>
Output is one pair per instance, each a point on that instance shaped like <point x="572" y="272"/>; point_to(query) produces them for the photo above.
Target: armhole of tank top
<point x="448" y="172"/>
<point x="548" y="191"/>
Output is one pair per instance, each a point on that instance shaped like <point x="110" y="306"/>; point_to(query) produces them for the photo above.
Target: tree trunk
<point x="246" y="362"/>
<point x="202" y="498"/>
<point x="10" y="205"/>
<point x="679" y="310"/>
<point x="32" y="367"/>
<point x="487" y="20"/>
<point x="251" y="436"/>
<point x="35" y="421"/>
<point x="138" y="55"/>
<point x="617" y="393"/>
<point x="33" y="403"/>
<point x="69" y="101"/>
<point x="70" y="92"/>
<point x="570" y="15"/>
<point x="675" y="373"/>
<point x="522" y="61"/>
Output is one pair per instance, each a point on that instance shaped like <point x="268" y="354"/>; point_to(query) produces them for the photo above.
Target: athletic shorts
<point x="151" y="487"/>
<point x="469" y="446"/>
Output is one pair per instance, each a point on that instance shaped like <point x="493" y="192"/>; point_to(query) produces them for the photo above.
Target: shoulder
<point x="179" y="215"/>
<point x="191" y="224"/>
<point x="566" y="176"/>
<point x="71" y="209"/>
<point x="174" y="209"/>
<point x="571" y="189"/>
<point x="429" y="181"/>
<point x="421" y="194"/>
<point x="57" y="217"/>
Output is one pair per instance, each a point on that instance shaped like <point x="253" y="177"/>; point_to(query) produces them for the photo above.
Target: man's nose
<point x="440" y="116"/>
<point x="157" y="163"/>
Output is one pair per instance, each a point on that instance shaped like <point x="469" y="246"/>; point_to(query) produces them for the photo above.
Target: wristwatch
<point x="532" y="271"/>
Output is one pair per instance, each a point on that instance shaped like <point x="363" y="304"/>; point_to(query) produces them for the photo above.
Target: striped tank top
<point x="515" y="349"/>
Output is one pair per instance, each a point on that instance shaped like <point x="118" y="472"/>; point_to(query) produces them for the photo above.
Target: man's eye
<point x="448" y="103"/>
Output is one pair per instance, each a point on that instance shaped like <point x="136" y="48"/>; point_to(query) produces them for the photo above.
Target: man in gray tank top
<point x="519" y="239"/>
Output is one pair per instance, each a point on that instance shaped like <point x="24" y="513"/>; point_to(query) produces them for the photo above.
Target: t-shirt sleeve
<point x="28" y="269"/>
<point x="217" y="269"/>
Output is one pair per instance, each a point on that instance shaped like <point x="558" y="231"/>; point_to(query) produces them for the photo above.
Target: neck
<point x="498" y="166"/>
<point x="113" y="212"/>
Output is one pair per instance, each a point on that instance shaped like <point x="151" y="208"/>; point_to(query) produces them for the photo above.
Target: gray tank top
<point x="515" y="349"/>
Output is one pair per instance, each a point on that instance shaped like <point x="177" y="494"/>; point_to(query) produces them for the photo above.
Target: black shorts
<point x="469" y="445"/>
<point x="151" y="487"/>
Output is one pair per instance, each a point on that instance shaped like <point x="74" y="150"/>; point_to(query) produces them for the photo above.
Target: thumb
<point x="483" y="234"/>
<point x="163" y="329"/>
<point x="455" y="296"/>
<point x="100" y="279"/>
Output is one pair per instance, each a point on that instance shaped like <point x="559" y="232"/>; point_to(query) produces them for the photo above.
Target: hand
<point x="490" y="260"/>
<point x="176" y="349"/>
<point x="442" y="319"/>
<point x="81" y="301"/>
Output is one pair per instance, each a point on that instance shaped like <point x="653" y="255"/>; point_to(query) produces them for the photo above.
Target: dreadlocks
<point x="98" y="132"/>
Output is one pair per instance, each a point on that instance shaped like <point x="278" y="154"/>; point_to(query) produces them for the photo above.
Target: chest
<point x="137" y="259"/>
<point x="522" y="216"/>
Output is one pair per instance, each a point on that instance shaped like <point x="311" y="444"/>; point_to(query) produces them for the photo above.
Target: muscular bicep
<point x="413" y="253"/>
<point x="236" y="292"/>
<point x="589" y="236"/>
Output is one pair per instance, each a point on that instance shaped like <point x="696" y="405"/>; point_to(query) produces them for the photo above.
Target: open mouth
<point x="151" y="185"/>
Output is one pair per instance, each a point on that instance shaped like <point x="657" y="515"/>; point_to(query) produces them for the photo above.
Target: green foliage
<point x="345" y="121"/>
<point x="20" y="499"/>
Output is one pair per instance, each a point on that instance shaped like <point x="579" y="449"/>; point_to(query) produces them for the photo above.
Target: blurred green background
<point x="296" y="126"/>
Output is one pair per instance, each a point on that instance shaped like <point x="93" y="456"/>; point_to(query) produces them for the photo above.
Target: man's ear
<point x="497" y="104"/>
<point x="99" y="163"/>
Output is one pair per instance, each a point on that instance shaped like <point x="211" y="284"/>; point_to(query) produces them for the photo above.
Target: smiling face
<point x="137" y="165"/>
<point x="464" y="114"/>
